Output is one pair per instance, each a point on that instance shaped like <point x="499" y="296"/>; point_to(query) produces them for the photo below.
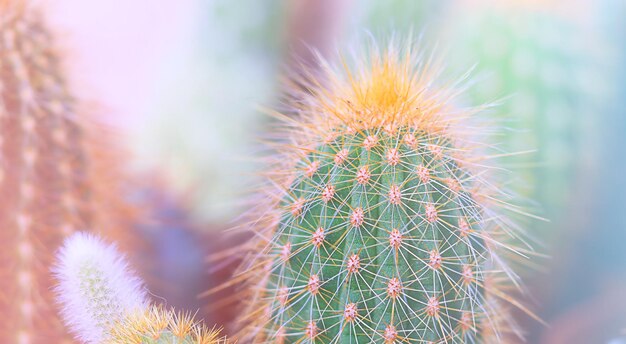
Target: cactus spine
<point x="48" y="184"/>
<point x="381" y="229"/>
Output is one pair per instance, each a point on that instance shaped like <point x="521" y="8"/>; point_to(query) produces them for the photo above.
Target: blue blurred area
<point x="593" y="263"/>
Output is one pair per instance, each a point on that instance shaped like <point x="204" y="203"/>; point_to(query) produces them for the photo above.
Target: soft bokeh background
<point x="185" y="80"/>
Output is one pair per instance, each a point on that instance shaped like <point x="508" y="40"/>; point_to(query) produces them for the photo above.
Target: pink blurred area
<point x="116" y="50"/>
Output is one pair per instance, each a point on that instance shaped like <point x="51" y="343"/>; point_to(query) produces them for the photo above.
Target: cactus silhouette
<point x="381" y="224"/>
<point x="103" y="301"/>
<point x="54" y="176"/>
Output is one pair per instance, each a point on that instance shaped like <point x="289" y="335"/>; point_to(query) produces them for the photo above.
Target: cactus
<point x="103" y="301"/>
<point x="54" y="177"/>
<point x="381" y="227"/>
<point x="96" y="288"/>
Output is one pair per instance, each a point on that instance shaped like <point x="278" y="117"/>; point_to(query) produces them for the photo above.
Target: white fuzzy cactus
<point x="96" y="287"/>
<point x="104" y="302"/>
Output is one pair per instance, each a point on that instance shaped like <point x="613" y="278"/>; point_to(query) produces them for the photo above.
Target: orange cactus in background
<point x="54" y="177"/>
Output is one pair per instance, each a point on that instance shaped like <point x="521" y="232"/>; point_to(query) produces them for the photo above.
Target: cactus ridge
<point x="380" y="225"/>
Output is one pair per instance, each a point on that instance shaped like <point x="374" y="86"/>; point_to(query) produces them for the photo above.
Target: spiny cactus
<point x="103" y="301"/>
<point x="54" y="177"/>
<point x="381" y="224"/>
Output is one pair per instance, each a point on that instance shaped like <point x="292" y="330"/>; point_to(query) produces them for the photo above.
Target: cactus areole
<point x="380" y="230"/>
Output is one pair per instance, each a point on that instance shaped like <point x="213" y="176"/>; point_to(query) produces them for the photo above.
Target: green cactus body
<point x="377" y="244"/>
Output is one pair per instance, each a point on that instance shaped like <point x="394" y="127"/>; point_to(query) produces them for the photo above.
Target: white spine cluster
<point x="96" y="287"/>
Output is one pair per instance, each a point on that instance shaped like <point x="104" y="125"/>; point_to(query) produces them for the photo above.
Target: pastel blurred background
<point x="186" y="82"/>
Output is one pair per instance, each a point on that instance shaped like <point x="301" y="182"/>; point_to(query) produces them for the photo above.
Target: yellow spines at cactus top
<point x="50" y="185"/>
<point x="157" y="325"/>
<point x="381" y="221"/>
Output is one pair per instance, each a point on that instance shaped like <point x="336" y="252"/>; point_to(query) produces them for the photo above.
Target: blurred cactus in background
<point x="532" y="63"/>
<point x="104" y="302"/>
<point x="55" y="175"/>
<point x="382" y="225"/>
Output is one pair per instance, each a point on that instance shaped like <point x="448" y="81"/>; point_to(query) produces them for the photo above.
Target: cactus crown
<point x="381" y="229"/>
<point x="389" y="90"/>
